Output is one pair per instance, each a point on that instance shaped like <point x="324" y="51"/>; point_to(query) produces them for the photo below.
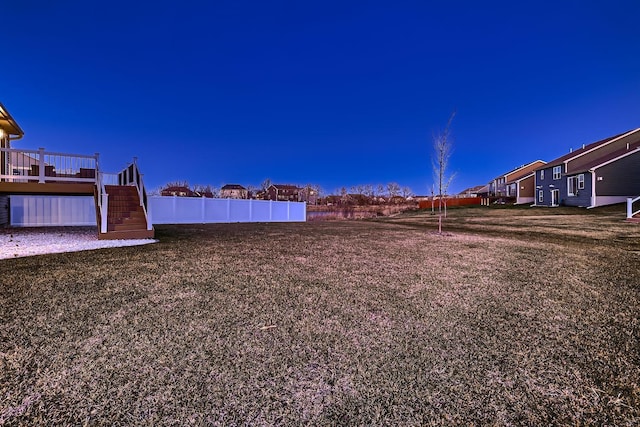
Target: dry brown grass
<point x="517" y="317"/>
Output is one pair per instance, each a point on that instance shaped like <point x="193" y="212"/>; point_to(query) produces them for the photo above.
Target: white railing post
<point x="629" y="207"/>
<point x="104" y="212"/>
<point x="41" y="165"/>
<point x="97" y="173"/>
<point x="135" y="172"/>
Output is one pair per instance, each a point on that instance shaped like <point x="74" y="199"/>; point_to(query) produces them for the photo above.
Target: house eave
<point x="9" y="125"/>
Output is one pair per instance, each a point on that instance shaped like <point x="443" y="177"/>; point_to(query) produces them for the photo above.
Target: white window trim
<point x="540" y="196"/>
<point x="572" y="184"/>
<point x="581" y="181"/>
<point x="557" y="172"/>
<point x="542" y="175"/>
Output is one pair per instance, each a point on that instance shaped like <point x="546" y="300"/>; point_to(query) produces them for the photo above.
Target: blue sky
<point x="334" y="93"/>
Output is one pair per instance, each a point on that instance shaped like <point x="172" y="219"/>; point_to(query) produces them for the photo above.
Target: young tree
<point x="442" y="148"/>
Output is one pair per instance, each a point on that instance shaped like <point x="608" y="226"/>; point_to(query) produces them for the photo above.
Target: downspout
<point x="593" y="188"/>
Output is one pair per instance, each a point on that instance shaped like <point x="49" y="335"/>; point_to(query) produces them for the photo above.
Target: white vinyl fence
<point x="46" y="211"/>
<point x="191" y="210"/>
<point x="43" y="211"/>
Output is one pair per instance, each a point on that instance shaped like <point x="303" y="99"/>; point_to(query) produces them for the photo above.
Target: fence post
<point x="629" y="207"/>
<point x="203" y="210"/>
<point x="270" y="210"/>
<point x="149" y="214"/>
<point x="228" y="210"/>
<point x="250" y="210"/>
<point x="174" y="208"/>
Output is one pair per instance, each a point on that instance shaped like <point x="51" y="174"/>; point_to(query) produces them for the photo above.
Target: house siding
<point x="4" y="210"/>
<point x="620" y="178"/>
<point x="548" y="184"/>
<point x="582" y="197"/>
<point x="525" y="190"/>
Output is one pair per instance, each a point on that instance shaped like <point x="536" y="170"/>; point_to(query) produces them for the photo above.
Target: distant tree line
<point x="357" y="195"/>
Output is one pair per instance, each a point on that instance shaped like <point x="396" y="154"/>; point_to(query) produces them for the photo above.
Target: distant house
<point x="516" y="184"/>
<point x="207" y="193"/>
<point x="309" y="195"/>
<point x="473" y="191"/>
<point x="179" y="191"/>
<point x="234" y="191"/>
<point x="601" y="173"/>
<point x="283" y="192"/>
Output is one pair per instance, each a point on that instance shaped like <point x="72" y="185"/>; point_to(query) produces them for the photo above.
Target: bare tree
<point x="442" y="149"/>
<point x="344" y="195"/>
<point x="380" y="190"/>
<point x="176" y="184"/>
<point x="251" y="191"/>
<point x="406" y="192"/>
<point x="369" y="192"/>
<point x="265" y="184"/>
<point x="393" y="188"/>
<point x="204" y="190"/>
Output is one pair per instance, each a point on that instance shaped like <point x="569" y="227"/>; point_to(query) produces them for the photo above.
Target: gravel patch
<point x="22" y="242"/>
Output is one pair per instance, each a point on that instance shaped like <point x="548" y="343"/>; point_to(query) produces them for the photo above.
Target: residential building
<point x="178" y="191"/>
<point x="601" y="173"/>
<point x="283" y="192"/>
<point x="52" y="188"/>
<point x="509" y="185"/>
<point x="234" y="191"/>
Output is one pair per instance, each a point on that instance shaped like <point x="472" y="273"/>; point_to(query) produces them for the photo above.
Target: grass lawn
<point x="515" y="317"/>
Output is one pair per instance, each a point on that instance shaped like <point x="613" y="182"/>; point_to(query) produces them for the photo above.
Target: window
<point x="540" y="196"/>
<point x="575" y="183"/>
<point x="542" y="175"/>
<point x="572" y="182"/>
<point x="557" y="171"/>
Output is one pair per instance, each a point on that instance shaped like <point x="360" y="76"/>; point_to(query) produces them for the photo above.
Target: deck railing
<point x="630" y="208"/>
<point x="131" y="176"/>
<point x="18" y="165"/>
<point x="103" y="196"/>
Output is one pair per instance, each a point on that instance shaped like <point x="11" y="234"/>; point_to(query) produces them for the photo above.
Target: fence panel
<point x="191" y="210"/>
<point x="47" y="211"/>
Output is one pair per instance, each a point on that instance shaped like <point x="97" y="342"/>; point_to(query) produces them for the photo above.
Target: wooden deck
<point x="70" y="188"/>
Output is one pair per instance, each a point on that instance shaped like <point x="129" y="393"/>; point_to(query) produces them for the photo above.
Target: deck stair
<point x="125" y="215"/>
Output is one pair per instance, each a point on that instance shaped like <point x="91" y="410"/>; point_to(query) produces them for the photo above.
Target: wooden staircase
<point x="126" y="218"/>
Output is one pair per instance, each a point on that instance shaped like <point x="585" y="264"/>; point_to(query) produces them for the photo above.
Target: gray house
<point x="601" y="173"/>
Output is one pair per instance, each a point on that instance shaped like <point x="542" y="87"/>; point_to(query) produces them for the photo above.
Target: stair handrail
<point x="103" y="202"/>
<point x="630" y="211"/>
<point x="131" y="175"/>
